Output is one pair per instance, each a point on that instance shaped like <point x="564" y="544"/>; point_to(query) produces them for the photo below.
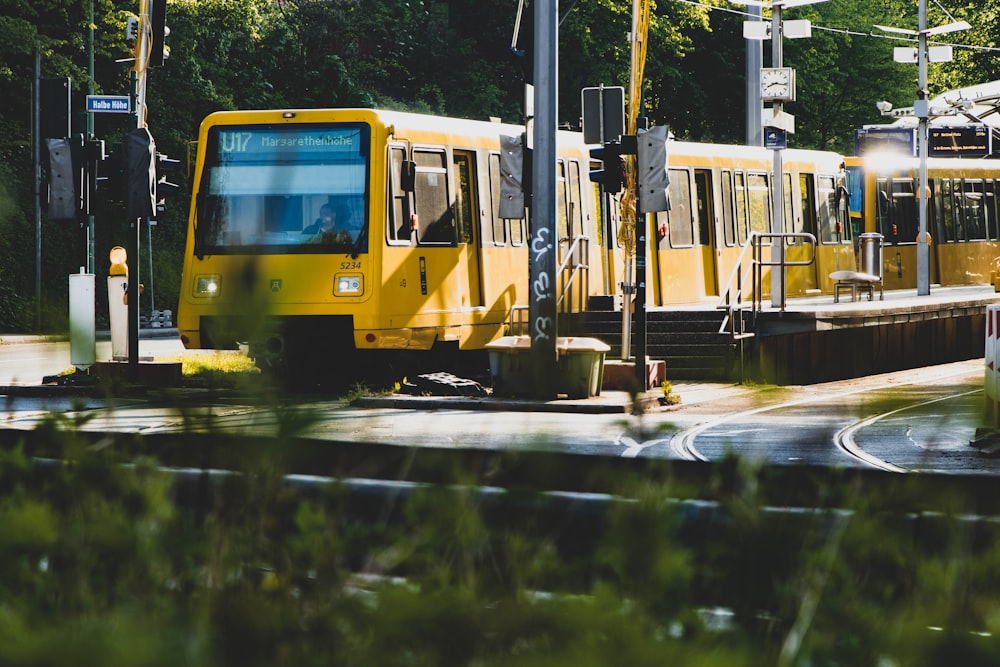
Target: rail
<point x="751" y="263"/>
<point x="574" y="280"/>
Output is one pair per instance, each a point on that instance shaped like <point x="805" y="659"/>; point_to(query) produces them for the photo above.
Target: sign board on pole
<point x="898" y="140"/>
<point x="108" y="104"/>
<point x="603" y="114"/>
<point x="775" y="139"/>
<point x="972" y="140"/>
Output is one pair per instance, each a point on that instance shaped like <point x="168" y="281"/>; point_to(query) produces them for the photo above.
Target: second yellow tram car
<point x="963" y="215"/>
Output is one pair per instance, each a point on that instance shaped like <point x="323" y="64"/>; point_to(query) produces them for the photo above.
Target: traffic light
<point x="513" y="187"/>
<point x="653" y="177"/>
<point x="158" y="49"/>
<point x="108" y="176"/>
<point x="611" y="175"/>
<point x="164" y="166"/>
<point x="139" y="172"/>
<point x="65" y="177"/>
<point x="93" y="151"/>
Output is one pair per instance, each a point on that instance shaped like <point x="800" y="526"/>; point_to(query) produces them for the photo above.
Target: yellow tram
<point x="429" y="265"/>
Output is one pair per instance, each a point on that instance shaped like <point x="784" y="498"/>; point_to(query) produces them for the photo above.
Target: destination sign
<point x="108" y="104"/>
<point x="898" y="140"/>
<point x="974" y="140"/>
<point x="244" y="143"/>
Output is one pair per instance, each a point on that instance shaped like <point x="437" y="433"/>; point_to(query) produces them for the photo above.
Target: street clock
<point x="777" y="84"/>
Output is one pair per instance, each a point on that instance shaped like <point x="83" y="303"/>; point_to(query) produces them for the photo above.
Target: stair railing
<point x="738" y="294"/>
<point x="573" y="275"/>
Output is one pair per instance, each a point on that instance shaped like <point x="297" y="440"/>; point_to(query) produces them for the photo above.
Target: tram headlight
<point x="206" y="286"/>
<point x="349" y="284"/>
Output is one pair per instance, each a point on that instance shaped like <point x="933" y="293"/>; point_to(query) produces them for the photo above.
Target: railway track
<point x="883" y="398"/>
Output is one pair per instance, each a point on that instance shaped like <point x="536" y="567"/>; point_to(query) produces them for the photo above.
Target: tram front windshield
<point x="269" y="189"/>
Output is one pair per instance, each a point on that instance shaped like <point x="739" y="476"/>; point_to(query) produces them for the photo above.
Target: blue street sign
<point x="108" y="104"/>
<point x="774" y="138"/>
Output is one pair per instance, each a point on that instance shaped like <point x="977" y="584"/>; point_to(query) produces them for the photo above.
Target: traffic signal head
<point x="139" y="171"/>
<point x="164" y="166"/>
<point x="158" y="49"/>
<point x="653" y="173"/>
<point x="611" y="175"/>
<point x="65" y="177"/>
<point x="513" y="192"/>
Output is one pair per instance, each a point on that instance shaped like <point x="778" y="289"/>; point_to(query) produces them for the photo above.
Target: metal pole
<point x="755" y="60"/>
<point x="777" y="205"/>
<point x="149" y="243"/>
<point x="923" y="113"/>
<point x="542" y="254"/>
<point x="90" y="135"/>
<point x="37" y="150"/>
<point x="133" y="256"/>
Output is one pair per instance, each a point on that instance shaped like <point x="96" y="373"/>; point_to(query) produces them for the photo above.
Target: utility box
<point x="579" y="366"/>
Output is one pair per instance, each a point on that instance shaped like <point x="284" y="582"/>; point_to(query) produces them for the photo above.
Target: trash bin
<point x="870" y="260"/>
<point x="579" y="366"/>
<point x="510" y="365"/>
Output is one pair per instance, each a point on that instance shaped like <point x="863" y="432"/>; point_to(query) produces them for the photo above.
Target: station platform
<point x="817" y="339"/>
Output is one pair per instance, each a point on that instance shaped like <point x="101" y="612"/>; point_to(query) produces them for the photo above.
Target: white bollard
<point x="992" y="379"/>
<point x="82" y="324"/>
<point x="118" y="304"/>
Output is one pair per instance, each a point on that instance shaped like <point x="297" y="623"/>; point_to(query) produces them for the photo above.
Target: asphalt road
<point x="921" y="419"/>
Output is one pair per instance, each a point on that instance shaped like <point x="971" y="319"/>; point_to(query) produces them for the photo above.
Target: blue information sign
<point x="775" y="139"/>
<point x="108" y="104"/>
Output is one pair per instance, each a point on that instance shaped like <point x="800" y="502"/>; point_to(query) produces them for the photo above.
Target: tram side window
<point x="728" y="224"/>
<point x="742" y="218"/>
<point x="758" y="196"/>
<point x="463" y="165"/>
<point x="681" y="220"/>
<point x="905" y="213"/>
<point x="789" y="221"/>
<point x="499" y="235"/>
<point x="945" y="210"/>
<point x="562" y="217"/>
<point x="435" y="223"/>
<point x="829" y="228"/>
<point x="990" y="207"/>
<point x="974" y="209"/>
<point x="504" y="229"/>
<point x="399" y="206"/>
<point x="897" y="210"/>
<point x="575" y="205"/>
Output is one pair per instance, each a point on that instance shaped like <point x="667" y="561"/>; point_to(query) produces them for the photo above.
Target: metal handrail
<point x="577" y="262"/>
<point x="732" y="300"/>
<point x="575" y="266"/>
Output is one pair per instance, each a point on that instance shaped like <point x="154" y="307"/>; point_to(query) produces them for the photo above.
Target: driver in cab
<point x="334" y="224"/>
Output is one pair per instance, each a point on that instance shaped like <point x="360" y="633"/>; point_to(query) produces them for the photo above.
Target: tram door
<point x="467" y="225"/>
<point x="706" y="230"/>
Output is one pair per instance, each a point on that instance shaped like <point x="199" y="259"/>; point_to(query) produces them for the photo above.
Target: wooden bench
<point x="858" y="283"/>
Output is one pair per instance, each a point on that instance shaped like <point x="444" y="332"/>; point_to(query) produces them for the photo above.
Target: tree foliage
<point x="455" y="57"/>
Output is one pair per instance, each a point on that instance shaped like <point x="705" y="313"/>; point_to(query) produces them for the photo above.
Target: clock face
<point x="777" y="83"/>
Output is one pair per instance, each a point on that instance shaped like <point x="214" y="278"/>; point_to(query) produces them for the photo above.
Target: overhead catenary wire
<point x="852" y="33"/>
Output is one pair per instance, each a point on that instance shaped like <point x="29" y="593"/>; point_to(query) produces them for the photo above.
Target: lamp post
<point x="777" y="85"/>
<point x="921" y="109"/>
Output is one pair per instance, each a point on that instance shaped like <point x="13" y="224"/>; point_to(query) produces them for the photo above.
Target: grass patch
<point x="215" y="367"/>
